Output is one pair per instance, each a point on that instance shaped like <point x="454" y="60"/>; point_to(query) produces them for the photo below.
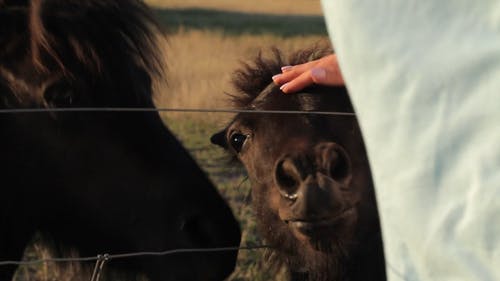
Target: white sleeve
<point x="424" y="78"/>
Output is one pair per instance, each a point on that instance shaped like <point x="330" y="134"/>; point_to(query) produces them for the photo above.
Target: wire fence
<point x="134" y="254"/>
<point x="164" y="109"/>
<point x="101" y="259"/>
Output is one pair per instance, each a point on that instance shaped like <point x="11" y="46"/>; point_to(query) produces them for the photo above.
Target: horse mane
<point x="106" y="40"/>
<point x="252" y="78"/>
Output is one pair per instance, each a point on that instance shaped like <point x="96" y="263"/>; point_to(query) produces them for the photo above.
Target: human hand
<point x="323" y="71"/>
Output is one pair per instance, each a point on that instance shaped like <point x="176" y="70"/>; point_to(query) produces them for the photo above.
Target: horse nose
<point x="327" y="161"/>
<point x="211" y="232"/>
<point x="311" y="181"/>
<point x="214" y="235"/>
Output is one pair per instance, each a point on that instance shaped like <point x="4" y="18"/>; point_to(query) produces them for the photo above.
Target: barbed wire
<point x="134" y="254"/>
<point x="165" y="109"/>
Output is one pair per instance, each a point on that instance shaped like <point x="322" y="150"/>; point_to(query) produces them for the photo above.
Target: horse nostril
<point x="335" y="160"/>
<point x="196" y="230"/>
<point x="287" y="178"/>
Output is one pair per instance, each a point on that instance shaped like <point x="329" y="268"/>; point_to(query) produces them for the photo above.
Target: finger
<point x="327" y="76"/>
<point x="297" y="84"/>
<point x="317" y="75"/>
<point x="291" y="72"/>
<point x="300" y="68"/>
<point x="286" y="77"/>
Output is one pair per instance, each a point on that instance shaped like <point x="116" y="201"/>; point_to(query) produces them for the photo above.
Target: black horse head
<point x="98" y="182"/>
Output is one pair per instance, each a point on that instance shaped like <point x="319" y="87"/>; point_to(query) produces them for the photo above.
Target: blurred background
<point x="206" y="41"/>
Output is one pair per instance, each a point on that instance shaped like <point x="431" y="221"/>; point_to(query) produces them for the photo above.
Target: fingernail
<point x="318" y="74"/>
<point x="275" y="76"/>
<point x="286" y="68"/>
<point x="283" y="86"/>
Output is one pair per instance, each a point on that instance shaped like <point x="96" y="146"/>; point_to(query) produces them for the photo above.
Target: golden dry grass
<point x="201" y="63"/>
<point x="289" y="7"/>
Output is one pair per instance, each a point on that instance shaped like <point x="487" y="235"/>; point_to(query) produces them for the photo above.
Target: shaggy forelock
<point x="253" y="77"/>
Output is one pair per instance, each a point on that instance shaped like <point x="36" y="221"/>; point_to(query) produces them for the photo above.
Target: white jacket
<point x="424" y="77"/>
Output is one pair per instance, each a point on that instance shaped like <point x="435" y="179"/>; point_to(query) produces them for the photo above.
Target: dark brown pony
<point x="98" y="182"/>
<point x="311" y="183"/>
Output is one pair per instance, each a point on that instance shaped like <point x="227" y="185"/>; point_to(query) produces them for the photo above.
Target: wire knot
<point x="99" y="265"/>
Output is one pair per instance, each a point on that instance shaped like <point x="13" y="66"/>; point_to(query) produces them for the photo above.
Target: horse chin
<point x="319" y="233"/>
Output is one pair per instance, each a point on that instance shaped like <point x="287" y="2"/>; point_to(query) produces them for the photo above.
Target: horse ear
<point x="219" y="139"/>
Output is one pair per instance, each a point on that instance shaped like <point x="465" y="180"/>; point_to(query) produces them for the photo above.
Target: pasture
<point x="206" y="43"/>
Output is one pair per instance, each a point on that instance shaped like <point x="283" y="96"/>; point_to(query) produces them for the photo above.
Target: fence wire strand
<point x="165" y="109"/>
<point x="99" y="265"/>
<point x="134" y="254"/>
<point x="102" y="258"/>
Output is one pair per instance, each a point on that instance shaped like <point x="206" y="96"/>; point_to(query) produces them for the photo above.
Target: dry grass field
<point x="201" y="63"/>
<point x="206" y="42"/>
<point x="283" y="7"/>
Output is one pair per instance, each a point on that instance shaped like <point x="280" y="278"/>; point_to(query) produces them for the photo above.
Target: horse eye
<point x="59" y="95"/>
<point x="236" y="140"/>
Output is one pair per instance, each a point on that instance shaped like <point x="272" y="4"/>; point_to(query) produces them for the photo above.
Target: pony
<point x="312" y="189"/>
